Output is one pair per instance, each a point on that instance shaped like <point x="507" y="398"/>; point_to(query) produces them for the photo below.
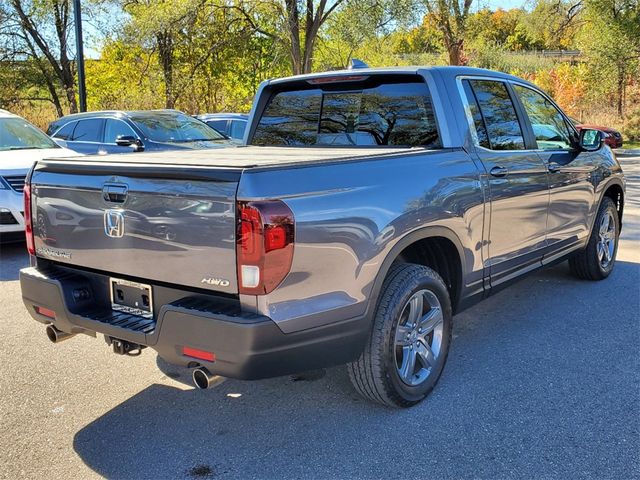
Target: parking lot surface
<point x="542" y="382"/>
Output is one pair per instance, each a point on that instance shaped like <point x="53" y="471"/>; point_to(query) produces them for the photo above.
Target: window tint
<point x="116" y="128"/>
<point x="88" y="130"/>
<point x="499" y="115"/>
<point x="474" y="110"/>
<point x="388" y="114"/>
<point x="237" y="128"/>
<point x="547" y="122"/>
<point x="219" y="125"/>
<point x="66" y="132"/>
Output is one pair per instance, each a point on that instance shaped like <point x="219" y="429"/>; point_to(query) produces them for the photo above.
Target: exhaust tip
<point x="203" y="378"/>
<point x="57" y="336"/>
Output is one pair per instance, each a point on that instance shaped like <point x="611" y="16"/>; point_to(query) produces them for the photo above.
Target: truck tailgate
<point x="175" y="225"/>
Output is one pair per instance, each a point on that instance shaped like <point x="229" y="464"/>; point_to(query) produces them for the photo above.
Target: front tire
<point x="597" y="260"/>
<point x="409" y="341"/>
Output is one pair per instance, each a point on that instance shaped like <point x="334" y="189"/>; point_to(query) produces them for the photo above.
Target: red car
<point x="612" y="137"/>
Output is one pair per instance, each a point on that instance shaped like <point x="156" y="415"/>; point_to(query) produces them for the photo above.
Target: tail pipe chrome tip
<point x="203" y="378"/>
<point x="57" y="336"/>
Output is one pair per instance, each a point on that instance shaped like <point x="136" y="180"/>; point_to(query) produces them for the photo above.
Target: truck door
<point x="570" y="171"/>
<point x="517" y="178"/>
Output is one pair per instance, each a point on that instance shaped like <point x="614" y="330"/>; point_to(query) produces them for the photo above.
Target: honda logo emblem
<point x="114" y="223"/>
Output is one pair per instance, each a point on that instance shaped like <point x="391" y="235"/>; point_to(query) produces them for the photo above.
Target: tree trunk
<point x="165" y="52"/>
<point x="455" y="50"/>
<point x="620" y="92"/>
<point x="293" y="21"/>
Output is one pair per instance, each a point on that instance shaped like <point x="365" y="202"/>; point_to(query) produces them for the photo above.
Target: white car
<point x="21" y="144"/>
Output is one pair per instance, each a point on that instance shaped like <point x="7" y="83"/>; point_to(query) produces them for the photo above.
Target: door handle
<point x="554" y="167"/>
<point x="499" y="171"/>
<point x="114" y="193"/>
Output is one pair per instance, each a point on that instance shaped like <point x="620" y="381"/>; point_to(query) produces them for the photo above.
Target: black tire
<point x="586" y="264"/>
<point x="375" y="374"/>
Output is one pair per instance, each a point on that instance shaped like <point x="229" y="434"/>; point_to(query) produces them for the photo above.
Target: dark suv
<point x="135" y="131"/>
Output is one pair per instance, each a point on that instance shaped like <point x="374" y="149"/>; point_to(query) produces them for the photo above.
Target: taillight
<point x="264" y="245"/>
<point x="28" y="224"/>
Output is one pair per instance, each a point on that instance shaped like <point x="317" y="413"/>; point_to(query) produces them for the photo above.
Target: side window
<point x="474" y="109"/>
<point x="88" y="130"/>
<point x="66" y="132"/>
<point x="219" y="125"/>
<point x="237" y="128"/>
<point x="499" y="115"/>
<point x="547" y="122"/>
<point x="116" y="128"/>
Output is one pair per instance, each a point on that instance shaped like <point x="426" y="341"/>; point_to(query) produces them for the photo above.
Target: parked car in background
<point x="133" y="131"/>
<point x="21" y="144"/>
<point x="230" y="124"/>
<point x="612" y="137"/>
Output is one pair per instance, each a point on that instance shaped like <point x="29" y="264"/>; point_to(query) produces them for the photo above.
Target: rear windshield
<point x="391" y="114"/>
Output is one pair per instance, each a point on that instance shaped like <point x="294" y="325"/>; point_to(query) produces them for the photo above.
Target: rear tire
<point x="596" y="261"/>
<point x="409" y="341"/>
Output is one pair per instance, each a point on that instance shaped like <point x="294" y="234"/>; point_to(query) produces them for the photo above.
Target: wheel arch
<point x="444" y="241"/>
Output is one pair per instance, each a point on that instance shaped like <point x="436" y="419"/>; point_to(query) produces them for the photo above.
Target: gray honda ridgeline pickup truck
<point x="367" y="208"/>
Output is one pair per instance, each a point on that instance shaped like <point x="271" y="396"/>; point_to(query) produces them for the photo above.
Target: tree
<point x="612" y="44"/>
<point x="451" y="18"/>
<point x="39" y="33"/>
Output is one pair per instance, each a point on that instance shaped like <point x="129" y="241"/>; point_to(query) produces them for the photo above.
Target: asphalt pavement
<point x="542" y="382"/>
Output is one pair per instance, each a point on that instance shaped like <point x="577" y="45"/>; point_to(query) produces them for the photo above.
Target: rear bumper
<point x="245" y="346"/>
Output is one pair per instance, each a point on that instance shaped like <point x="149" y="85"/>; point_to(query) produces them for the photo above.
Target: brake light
<point x="28" y="225"/>
<point x="337" y="79"/>
<point x="264" y="245"/>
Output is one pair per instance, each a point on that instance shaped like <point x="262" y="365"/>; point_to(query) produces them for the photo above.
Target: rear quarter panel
<point x="350" y="214"/>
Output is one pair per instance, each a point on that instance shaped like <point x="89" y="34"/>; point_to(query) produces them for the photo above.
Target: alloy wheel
<point x="418" y="338"/>
<point x="606" y="240"/>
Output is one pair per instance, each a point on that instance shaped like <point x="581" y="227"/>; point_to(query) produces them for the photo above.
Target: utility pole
<point x="82" y="91"/>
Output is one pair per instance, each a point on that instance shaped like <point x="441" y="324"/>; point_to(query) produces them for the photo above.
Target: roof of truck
<point x="445" y="71"/>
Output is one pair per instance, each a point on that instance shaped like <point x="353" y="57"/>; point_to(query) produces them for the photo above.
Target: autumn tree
<point x="39" y="32"/>
<point x="612" y="45"/>
<point x="451" y="17"/>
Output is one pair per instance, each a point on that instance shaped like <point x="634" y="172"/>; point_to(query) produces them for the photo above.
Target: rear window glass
<point x="394" y="114"/>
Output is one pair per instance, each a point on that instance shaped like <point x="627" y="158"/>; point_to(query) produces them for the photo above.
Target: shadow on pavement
<point x="541" y="381"/>
<point x="13" y="257"/>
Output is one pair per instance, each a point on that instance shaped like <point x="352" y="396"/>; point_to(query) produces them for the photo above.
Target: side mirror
<point x="128" y="141"/>
<point x="591" y="140"/>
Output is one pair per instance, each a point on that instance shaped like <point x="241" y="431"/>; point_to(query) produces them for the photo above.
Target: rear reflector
<point x="46" y="312"/>
<point x="200" y="354"/>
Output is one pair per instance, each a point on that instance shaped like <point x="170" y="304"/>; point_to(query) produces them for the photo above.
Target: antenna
<point x="354" y="63"/>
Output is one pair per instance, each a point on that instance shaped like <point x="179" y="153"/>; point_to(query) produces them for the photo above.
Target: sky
<point x="495" y="4"/>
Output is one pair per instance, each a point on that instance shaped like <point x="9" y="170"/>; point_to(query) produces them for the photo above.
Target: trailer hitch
<point x="123" y="347"/>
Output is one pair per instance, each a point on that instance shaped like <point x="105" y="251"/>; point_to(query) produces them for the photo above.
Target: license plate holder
<point x="131" y="297"/>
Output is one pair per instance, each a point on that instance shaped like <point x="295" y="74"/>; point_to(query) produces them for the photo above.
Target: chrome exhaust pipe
<point x="203" y="378"/>
<point x="57" y="336"/>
